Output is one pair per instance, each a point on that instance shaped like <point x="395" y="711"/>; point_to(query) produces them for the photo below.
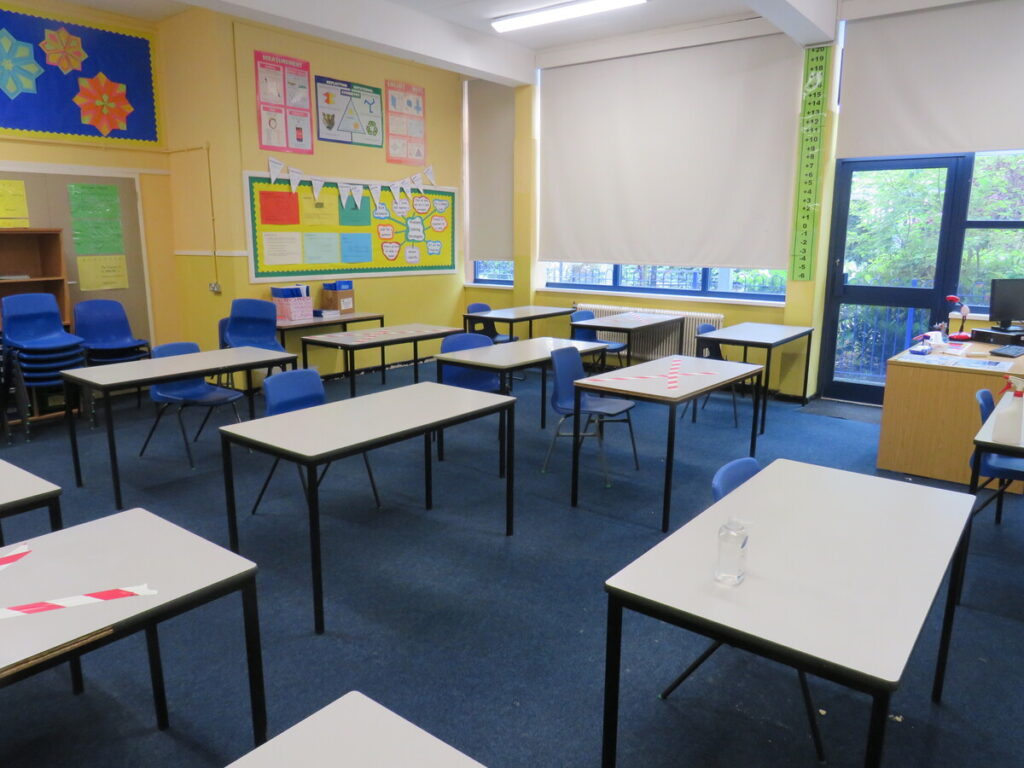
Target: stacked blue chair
<point x="487" y="327"/>
<point x="107" y="334"/>
<point x="589" y="334"/>
<point x="189" y="392"/>
<point x="36" y="348"/>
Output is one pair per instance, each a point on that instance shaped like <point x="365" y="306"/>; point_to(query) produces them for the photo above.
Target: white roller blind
<point x="685" y="157"/>
<point x="490" y="142"/>
<point x="940" y="80"/>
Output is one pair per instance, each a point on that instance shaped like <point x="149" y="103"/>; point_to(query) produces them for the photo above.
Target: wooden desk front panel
<point x="930" y="417"/>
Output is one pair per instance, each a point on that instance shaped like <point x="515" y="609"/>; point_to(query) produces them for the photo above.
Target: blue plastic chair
<point x="486" y="327"/>
<point x="186" y="393"/>
<point x="1003" y="469"/>
<point x="727" y="479"/>
<point x="253" y="323"/>
<point x="711" y="350"/>
<point x="32" y="322"/>
<point x="589" y="334"/>
<point x="106" y="333"/>
<point x="468" y="378"/>
<point x="292" y="391"/>
<point x="567" y="367"/>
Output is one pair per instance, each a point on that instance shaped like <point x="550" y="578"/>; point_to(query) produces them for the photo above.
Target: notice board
<point x="391" y="231"/>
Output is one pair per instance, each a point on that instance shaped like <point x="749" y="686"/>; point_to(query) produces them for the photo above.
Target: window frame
<point x="705" y="281"/>
<point x="477" y="280"/>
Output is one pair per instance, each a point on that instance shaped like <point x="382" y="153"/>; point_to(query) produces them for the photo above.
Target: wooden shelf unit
<point x="39" y="254"/>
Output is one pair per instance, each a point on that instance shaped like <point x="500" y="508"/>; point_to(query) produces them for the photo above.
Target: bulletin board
<point x="299" y="235"/>
<point x="78" y="82"/>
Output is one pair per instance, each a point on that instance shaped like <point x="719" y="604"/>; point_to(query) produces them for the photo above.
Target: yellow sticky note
<point x="9" y="223"/>
<point x="102" y="273"/>
<point x="13" y="202"/>
<point x="318" y="213"/>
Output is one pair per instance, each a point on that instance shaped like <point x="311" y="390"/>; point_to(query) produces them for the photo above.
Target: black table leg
<point x="383" y="366"/>
<point x="229" y="491"/>
<point x="629" y="348"/>
<point x="56" y="523"/>
<point x="956" y="578"/>
<point x="574" y="496"/>
<point x="71" y="396"/>
<point x="510" y="453"/>
<point x="511" y="327"/>
<point x="612" y="660"/>
<point x="501" y="444"/>
<point x="807" y="366"/>
<point x="415" y="362"/>
<point x="350" y="371"/>
<point x="876" y="733"/>
<point x="767" y="385"/>
<point x="305" y="354"/>
<point x="77" y="682"/>
<point x="156" y="674"/>
<point x="254" y="659"/>
<point x="543" y="395"/>
<point x="670" y="450"/>
<point x="115" y="474"/>
<point x="428" y="478"/>
<point x="313" y="499"/>
<point x="757" y="383"/>
<point x="250" y="394"/>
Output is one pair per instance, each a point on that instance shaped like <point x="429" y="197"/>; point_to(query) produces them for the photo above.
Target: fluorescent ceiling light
<point x="559" y="13"/>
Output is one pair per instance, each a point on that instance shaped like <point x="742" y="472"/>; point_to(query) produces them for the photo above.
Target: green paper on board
<point x="94" y="201"/>
<point x="97" y="236"/>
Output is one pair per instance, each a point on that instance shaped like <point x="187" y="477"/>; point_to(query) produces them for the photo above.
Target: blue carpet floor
<point x="493" y="644"/>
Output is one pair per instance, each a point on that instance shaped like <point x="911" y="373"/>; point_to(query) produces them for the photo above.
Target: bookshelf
<point x="32" y="261"/>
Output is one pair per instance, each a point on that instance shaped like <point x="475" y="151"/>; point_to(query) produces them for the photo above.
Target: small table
<point x="138" y="373"/>
<point x="983" y="443"/>
<point x="319" y="435"/>
<point x="21" y="491"/>
<point x="841" y="573"/>
<point x="84" y="587"/>
<point x="355" y="731"/>
<point x="630" y="323"/>
<point x="385" y="336"/>
<point x="283" y="326"/>
<point x="514" y="315"/>
<point x="670" y="381"/>
<point x="766" y="336"/>
<point x="513" y="356"/>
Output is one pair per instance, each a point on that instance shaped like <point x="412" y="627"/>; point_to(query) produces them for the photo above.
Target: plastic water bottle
<point x="1009" y="420"/>
<point x="732" y="553"/>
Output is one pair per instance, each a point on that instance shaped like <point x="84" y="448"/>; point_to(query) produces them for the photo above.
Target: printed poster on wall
<point x="349" y="113"/>
<point x="283" y="105"/>
<point x="407" y="123"/>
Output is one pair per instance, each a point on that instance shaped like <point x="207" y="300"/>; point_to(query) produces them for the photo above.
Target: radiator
<point x="659" y="342"/>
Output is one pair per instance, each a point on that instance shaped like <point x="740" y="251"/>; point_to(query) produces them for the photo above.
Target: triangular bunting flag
<point x="294" y="176"/>
<point x="396" y="190"/>
<point x="318" y="184"/>
<point x="429" y="173"/>
<point x="375" y="193"/>
<point x="276" y="166"/>
<point x="343" y="191"/>
<point x="406" y="185"/>
<point x="356" y="190"/>
<point x="417" y="179"/>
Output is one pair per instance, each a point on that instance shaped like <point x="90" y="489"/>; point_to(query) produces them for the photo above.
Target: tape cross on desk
<point x="672" y="376"/>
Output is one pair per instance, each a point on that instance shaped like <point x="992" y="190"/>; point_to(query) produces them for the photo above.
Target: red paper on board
<point x="279" y="208"/>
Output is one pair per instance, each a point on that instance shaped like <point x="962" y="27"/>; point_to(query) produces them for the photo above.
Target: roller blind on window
<point x="491" y="135"/>
<point x="934" y="81"/>
<point x="684" y="157"/>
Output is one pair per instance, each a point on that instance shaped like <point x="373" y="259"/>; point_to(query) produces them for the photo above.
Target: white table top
<point x="628" y="321"/>
<point x="349" y="425"/>
<point x="19" y="488"/>
<point x="127" y="549"/>
<point x="670" y="379"/>
<point x="175" y="367"/>
<point x="528" y="312"/>
<point x="355" y="732"/>
<point x="389" y="334"/>
<point x="517" y="354"/>
<point x="347" y="317"/>
<point x="841" y="567"/>
<point x="758" y="334"/>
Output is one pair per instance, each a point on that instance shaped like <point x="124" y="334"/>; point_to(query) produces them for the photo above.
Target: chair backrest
<point x="293" y="391"/>
<point x="182" y="388"/>
<point x="222" y="332"/>
<point x="732" y="475"/>
<point x="28" y="316"/>
<point x="986" y="403"/>
<point x="467" y="378"/>
<point x="103" y="321"/>
<point x="253" y="322"/>
<point x="582" y="334"/>
<point x="484" y="327"/>
<point x="708" y="348"/>
<point x="566" y="367"/>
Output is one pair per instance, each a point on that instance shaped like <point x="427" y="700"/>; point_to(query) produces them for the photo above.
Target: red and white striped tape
<point x="10" y="558"/>
<point x="73" y="602"/>
<point x="671" y="376"/>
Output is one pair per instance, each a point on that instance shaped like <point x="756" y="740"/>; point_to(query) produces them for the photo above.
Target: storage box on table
<point x="339" y="296"/>
<point x="293" y="302"/>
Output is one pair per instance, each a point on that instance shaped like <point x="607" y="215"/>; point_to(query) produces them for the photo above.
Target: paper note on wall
<point x="96" y="219"/>
<point x="318" y="213"/>
<point x="102" y="273"/>
<point x="282" y="248"/>
<point x="13" y="203"/>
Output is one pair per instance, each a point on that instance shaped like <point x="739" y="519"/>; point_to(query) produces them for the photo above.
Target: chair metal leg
<point x="812" y="718"/>
<point x="735" y="415"/>
<point x="632" y="439"/>
<point x="206" y="418"/>
<point x="184" y="437"/>
<point x="1000" y="495"/>
<point x="690" y="669"/>
<point x="159" y="413"/>
<point x="554" y="437"/>
<point x="266" y="483"/>
<point x="373" y="483"/>
<point x="600" y="448"/>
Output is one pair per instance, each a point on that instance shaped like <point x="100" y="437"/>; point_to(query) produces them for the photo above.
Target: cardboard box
<point x="342" y="299"/>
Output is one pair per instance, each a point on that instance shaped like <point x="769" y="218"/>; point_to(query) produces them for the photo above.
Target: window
<point x="767" y="284"/>
<point x="493" y="272"/>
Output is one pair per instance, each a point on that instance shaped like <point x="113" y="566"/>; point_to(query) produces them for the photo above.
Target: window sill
<point x="491" y="286"/>
<point x="669" y="297"/>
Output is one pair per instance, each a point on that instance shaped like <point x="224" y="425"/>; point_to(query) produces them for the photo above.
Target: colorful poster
<point x="96" y="219"/>
<point x="102" y="273"/>
<point x="79" y="82"/>
<point x="407" y="123"/>
<point x="294" y="235"/>
<point x="283" y="106"/>
<point x="13" y="203"/>
<point x="349" y="113"/>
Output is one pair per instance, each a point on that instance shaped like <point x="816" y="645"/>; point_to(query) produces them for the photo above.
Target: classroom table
<point x="283" y="326"/>
<point x="385" y="336"/>
<point x="984" y="442"/>
<point x="669" y="381"/>
<point x="317" y="436"/>
<point x="505" y="359"/>
<point x="842" y="570"/>
<point x="81" y="588"/>
<point x="355" y="731"/>
<point x="633" y="322"/>
<point x="513" y="315"/>
<point x="138" y="373"/>
<point x="766" y="336"/>
<point x="21" y="491"/>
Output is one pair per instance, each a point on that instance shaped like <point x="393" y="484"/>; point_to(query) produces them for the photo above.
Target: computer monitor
<point x="1007" y="302"/>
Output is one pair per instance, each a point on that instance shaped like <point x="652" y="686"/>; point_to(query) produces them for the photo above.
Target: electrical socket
<point x="215" y="287"/>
